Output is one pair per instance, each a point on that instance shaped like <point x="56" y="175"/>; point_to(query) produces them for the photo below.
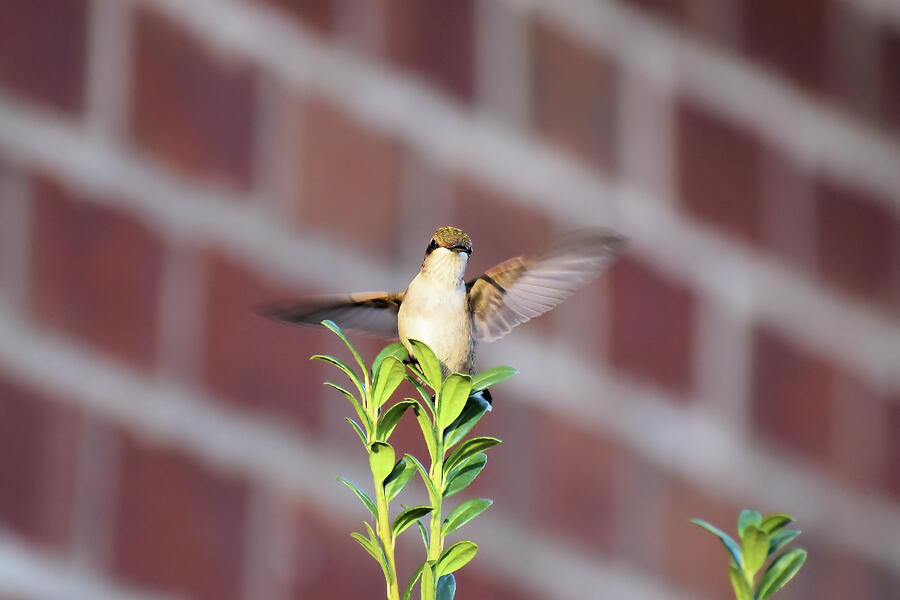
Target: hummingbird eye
<point x="433" y="245"/>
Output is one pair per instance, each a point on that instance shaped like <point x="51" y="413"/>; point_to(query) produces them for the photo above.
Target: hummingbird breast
<point x="438" y="315"/>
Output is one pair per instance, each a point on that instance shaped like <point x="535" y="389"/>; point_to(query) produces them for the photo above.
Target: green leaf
<point x="371" y="533"/>
<point x="464" y="513"/>
<point x="397" y="350"/>
<point x="347" y="370"/>
<point x="389" y="419"/>
<point x="339" y="332"/>
<point x="425" y="426"/>
<point x="455" y="557"/>
<point x="772" y="523"/>
<point x="389" y="376"/>
<point x="746" y="518"/>
<point x="472" y="412"/>
<point x="742" y="589"/>
<point x="467" y="449"/>
<point x="431" y="368"/>
<point x="729" y="543"/>
<point x="423" y="473"/>
<point x="464" y="473"/>
<point x="361" y="495"/>
<point x="407" y="591"/>
<point x="780" y="572"/>
<point x="754" y="550"/>
<point x="424" y="532"/>
<point x="452" y="398"/>
<point x="427" y="586"/>
<point x="381" y="460"/>
<point x="360" y="412"/>
<point x="398" y="478"/>
<point x="781" y="539"/>
<point x="356" y="427"/>
<point x="373" y="550"/>
<point x="407" y="518"/>
<point x="446" y="587"/>
<point x="491" y="377"/>
<point x="426" y="397"/>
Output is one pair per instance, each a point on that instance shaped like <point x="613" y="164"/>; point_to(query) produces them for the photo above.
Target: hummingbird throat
<point x="445" y="267"/>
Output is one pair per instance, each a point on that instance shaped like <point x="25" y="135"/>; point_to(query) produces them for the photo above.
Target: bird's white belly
<point x="438" y="317"/>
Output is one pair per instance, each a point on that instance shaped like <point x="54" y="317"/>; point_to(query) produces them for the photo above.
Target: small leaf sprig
<point x="445" y="418"/>
<point x="761" y="538"/>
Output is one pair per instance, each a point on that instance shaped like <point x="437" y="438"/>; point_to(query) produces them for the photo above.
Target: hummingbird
<point x="452" y="315"/>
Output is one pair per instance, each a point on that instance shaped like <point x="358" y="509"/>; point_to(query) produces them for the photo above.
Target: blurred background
<point x="166" y="165"/>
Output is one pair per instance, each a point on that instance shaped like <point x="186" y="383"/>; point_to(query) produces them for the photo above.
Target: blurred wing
<point x="524" y="287"/>
<point x="368" y="312"/>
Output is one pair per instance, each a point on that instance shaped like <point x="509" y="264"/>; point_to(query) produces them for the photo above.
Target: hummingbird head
<point x="447" y="254"/>
<point x="451" y="238"/>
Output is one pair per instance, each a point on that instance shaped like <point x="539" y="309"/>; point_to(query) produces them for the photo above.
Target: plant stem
<point x="436" y="474"/>
<point x="383" y="527"/>
<point x="383" y="521"/>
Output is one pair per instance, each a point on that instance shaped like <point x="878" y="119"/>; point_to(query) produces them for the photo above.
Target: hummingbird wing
<point x="524" y="287"/>
<point x="368" y="312"/>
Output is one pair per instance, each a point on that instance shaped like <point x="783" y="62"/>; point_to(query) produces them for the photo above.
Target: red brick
<point x="350" y="180"/>
<point x="435" y="40"/>
<point x="95" y="273"/>
<point x="37" y="465"/>
<point x="856" y="241"/>
<point x="651" y="325"/>
<point x="257" y="363"/>
<point x="178" y="526"/>
<point x="719" y="172"/>
<point x="317" y="14"/>
<point x="574" y="492"/>
<point x="792" y="394"/>
<point x="696" y="559"/>
<point x="790" y="37"/>
<point x="191" y="107"/>
<point x="574" y="95"/>
<point x="892" y="449"/>
<point x="890" y="78"/>
<point x="43" y="49"/>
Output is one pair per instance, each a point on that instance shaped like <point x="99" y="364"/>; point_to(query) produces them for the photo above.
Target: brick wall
<point x="166" y="165"/>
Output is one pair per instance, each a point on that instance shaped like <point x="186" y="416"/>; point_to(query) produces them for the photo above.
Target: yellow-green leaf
<point x="381" y="459"/>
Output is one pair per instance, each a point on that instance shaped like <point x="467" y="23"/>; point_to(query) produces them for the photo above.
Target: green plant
<point x="761" y="538"/>
<point x="445" y="417"/>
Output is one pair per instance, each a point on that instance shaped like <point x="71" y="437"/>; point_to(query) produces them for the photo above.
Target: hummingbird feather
<point x="369" y="312"/>
<point x="525" y="287"/>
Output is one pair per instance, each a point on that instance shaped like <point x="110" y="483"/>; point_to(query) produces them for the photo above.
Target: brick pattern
<point x="37" y="483"/>
<point x="191" y="107"/>
<point x="720" y="173"/>
<point x="178" y="526"/>
<point x="214" y="490"/>
<point x="43" y="51"/>
<point x="573" y="92"/>
<point x="95" y="273"/>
